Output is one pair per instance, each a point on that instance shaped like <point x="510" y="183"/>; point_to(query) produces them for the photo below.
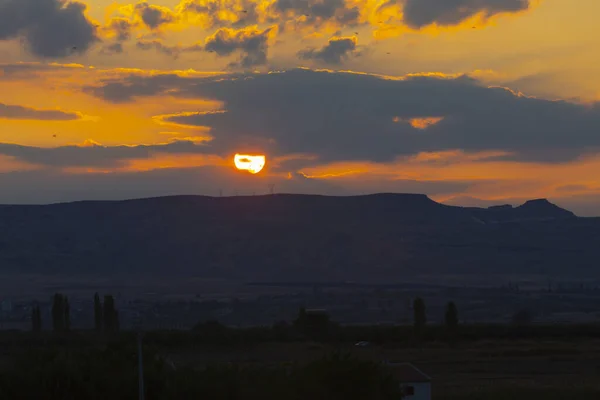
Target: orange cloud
<point x="162" y="161"/>
<point x="164" y="120"/>
<point x="210" y="14"/>
<point x="420" y="123"/>
<point x="11" y="164"/>
<point x="487" y="179"/>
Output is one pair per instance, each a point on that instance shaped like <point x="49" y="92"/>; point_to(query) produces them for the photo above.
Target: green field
<point x="528" y="369"/>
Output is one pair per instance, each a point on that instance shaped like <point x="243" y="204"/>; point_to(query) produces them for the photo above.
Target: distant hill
<point x="283" y="237"/>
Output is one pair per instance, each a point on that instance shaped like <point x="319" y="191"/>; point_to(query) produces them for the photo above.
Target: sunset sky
<point x="472" y="102"/>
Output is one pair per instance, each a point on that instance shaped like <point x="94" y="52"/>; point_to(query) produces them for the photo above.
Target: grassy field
<point x="491" y="370"/>
<point x="510" y="369"/>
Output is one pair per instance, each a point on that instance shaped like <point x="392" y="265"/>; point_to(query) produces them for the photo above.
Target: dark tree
<point x="38" y="316"/>
<point x="281" y="331"/>
<point x="212" y="330"/>
<point x="300" y="321"/>
<point x="313" y="324"/>
<point x="522" y="318"/>
<point x="98" y="318"/>
<point x="67" y="314"/>
<point x="33" y="319"/>
<point x="420" y="317"/>
<point x="110" y="314"/>
<point x="36" y="319"/>
<point x="451" y="316"/>
<point x="58" y="313"/>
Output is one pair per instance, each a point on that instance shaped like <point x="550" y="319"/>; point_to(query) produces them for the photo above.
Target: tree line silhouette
<point x="78" y="365"/>
<point x="306" y="325"/>
<point x="106" y="316"/>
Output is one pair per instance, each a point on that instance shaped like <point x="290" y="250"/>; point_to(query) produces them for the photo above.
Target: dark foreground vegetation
<point x="311" y="357"/>
<point x="216" y="362"/>
<point x="109" y="371"/>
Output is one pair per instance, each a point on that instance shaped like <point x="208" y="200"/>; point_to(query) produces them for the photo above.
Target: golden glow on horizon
<point x="552" y="63"/>
<point x="251" y="163"/>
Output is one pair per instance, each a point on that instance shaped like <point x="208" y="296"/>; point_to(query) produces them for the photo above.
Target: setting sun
<point x="252" y="164"/>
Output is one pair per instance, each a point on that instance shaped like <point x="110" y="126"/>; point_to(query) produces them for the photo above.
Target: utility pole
<point x="140" y="366"/>
<point x="271" y="187"/>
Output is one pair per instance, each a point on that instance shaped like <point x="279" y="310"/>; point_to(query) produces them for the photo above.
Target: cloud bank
<point x="49" y="28"/>
<point x="8" y="111"/>
<point x="335" y="52"/>
<point x="420" y="13"/>
<point x="348" y="116"/>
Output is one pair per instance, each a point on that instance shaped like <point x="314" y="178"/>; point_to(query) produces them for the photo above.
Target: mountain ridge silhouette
<point x="294" y="237"/>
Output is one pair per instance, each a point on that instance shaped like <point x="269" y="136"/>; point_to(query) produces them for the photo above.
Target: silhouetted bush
<point x="111" y="373"/>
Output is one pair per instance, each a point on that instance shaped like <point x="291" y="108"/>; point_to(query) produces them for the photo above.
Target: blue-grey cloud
<point x="125" y="90"/>
<point x="8" y="111"/>
<point x="347" y="116"/>
<point x="29" y="70"/>
<point x="252" y="43"/>
<point x="121" y="29"/>
<point x="317" y="12"/>
<point x="49" y="28"/>
<point x="420" y="13"/>
<point x="154" y="16"/>
<point x="96" y="155"/>
<point x="335" y="52"/>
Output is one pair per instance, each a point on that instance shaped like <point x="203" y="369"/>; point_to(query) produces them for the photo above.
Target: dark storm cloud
<point x="420" y="13"/>
<point x="122" y="91"/>
<point x="95" y="155"/>
<point x="49" y="28"/>
<point x="318" y="11"/>
<point x="154" y="16"/>
<point x="26" y="113"/>
<point x="252" y="43"/>
<point x="334" y="52"/>
<point x="346" y="116"/>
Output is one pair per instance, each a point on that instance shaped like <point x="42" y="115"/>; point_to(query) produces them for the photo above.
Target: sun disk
<point x="251" y="163"/>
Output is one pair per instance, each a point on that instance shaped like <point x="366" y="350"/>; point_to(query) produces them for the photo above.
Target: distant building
<point x="415" y="384"/>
